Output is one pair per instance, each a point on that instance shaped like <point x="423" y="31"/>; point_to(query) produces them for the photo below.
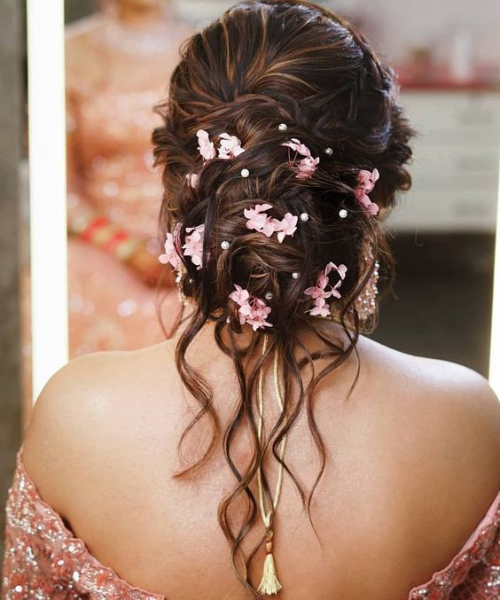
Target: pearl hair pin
<point x="304" y="217"/>
<point x="329" y="151"/>
<point x="295" y="275"/>
<point x="245" y="173"/>
<point x="224" y="244"/>
<point x="282" y="126"/>
<point x="342" y="213"/>
<point x="268" y="296"/>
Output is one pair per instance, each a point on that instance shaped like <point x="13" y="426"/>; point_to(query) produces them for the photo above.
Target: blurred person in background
<point x="118" y="63"/>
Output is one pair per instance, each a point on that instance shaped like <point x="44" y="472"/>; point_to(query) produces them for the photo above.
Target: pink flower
<point x="307" y="165"/>
<point x="259" y="313"/>
<point x="366" y="183"/>
<point x="192" y="179"/>
<point x="230" y="146"/>
<point x="260" y="221"/>
<point x="319" y="293"/>
<point x="341" y="269"/>
<point x="257" y="218"/>
<point x="335" y="291"/>
<point x="269" y="227"/>
<point x="206" y="147"/>
<point x="240" y="296"/>
<point x="287" y="226"/>
<point x="252" y="310"/>
<point x="321" y="308"/>
<point x="193" y="245"/>
<point x="367" y="179"/>
<point x="298" y="146"/>
<point x="171" y="255"/>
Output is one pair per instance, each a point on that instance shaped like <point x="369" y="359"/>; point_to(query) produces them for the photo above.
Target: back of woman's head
<point x="280" y="120"/>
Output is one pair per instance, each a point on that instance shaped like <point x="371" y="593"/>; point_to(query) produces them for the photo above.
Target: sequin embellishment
<point x="44" y="560"/>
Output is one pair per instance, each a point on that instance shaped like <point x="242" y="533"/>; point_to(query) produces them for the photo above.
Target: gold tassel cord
<point x="269" y="584"/>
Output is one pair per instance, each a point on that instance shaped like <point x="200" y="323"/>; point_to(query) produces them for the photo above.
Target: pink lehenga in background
<point x="115" y="76"/>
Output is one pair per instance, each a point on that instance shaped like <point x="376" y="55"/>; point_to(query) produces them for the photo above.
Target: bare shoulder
<point x="448" y="403"/>
<point x="427" y="439"/>
<point x="90" y="410"/>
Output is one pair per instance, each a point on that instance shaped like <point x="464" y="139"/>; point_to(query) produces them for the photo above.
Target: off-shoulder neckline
<point x="72" y="538"/>
<point x="486" y="521"/>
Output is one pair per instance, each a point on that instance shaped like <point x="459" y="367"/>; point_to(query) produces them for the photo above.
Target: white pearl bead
<point x="245" y="173"/>
<point x="295" y="275"/>
<point x="304" y="217"/>
<point x="282" y="126"/>
<point x="329" y="151"/>
<point x="343" y="213"/>
<point x="224" y="245"/>
<point x="268" y="296"/>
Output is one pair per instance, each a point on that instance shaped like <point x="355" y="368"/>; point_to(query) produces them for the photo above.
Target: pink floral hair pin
<point x="366" y="183"/>
<point x="259" y="220"/>
<point x="305" y="167"/>
<point x="192" y="247"/>
<point x="229" y="147"/>
<point x="324" y="290"/>
<point x="252" y="310"/>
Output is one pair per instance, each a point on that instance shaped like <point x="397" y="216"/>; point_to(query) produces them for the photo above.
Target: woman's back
<point x="283" y="146"/>
<point x="412" y="467"/>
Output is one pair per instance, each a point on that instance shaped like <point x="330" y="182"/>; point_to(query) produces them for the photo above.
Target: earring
<point x="180" y="272"/>
<point x="366" y="302"/>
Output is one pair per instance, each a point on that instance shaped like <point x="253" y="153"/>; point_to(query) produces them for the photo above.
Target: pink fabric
<point x="43" y="559"/>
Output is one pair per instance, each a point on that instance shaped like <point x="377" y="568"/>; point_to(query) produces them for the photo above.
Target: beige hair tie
<point x="269" y="583"/>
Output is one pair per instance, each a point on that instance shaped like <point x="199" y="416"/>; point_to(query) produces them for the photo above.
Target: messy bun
<point x="272" y="75"/>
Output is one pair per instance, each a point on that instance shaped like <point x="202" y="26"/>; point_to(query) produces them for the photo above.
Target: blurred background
<point x="119" y="55"/>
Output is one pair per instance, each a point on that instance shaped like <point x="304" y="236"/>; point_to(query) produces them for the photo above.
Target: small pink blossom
<point x="192" y="179"/>
<point x="323" y="289"/>
<point x="230" y="146"/>
<point x="193" y="245"/>
<point x="206" y="147"/>
<point x="367" y="179"/>
<point x="307" y="165"/>
<point x="298" y="146"/>
<point x="341" y="269"/>
<point x="321" y="308"/>
<point x="335" y="291"/>
<point x="366" y="183"/>
<point x="260" y="221"/>
<point x="287" y="226"/>
<point x="171" y="255"/>
<point x="252" y="310"/>
<point x="240" y="296"/>
<point x="256" y="216"/>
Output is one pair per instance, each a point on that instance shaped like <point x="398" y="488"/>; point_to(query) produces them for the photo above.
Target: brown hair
<point x="261" y="64"/>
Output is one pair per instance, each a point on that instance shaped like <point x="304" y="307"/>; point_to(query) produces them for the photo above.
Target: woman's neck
<point x="140" y="17"/>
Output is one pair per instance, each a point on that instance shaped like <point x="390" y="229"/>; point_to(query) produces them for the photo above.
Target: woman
<point x="117" y="66"/>
<point x="267" y="448"/>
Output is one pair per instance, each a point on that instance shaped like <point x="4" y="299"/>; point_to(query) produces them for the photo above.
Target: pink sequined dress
<point x="44" y="560"/>
<point x="115" y="76"/>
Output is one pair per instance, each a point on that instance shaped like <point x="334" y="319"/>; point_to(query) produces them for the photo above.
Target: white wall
<point x="399" y="25"/>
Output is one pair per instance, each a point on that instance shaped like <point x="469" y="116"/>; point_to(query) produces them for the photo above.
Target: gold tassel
<point x="269" y="584"/>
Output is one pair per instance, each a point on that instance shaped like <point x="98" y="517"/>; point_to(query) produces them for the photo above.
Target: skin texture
<point x="412" y="466"/>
